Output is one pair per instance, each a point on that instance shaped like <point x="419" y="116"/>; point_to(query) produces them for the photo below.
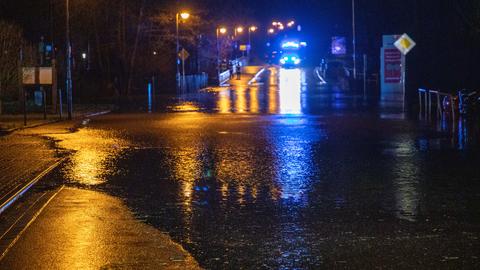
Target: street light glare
<point x="185" y="15"/>
<point x="239" y="29"/>
<point x="222" y="30"/>
<point x="271" y="31"/>
<point x="253" y="28"/>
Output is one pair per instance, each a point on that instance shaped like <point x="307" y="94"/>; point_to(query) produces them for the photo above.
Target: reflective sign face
<point x="405" y="44"/>
<point x="339" y="45"/>
<point x="28" y="75"/>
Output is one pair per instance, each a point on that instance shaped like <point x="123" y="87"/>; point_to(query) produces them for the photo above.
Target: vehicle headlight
<point x="282" y="61"/>
<point x="296" y="61"/>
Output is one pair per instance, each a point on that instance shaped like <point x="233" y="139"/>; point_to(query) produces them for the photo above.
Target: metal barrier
<point x="194" y="82"/>
<point x="425" y="97"/>
<point x="223" y="77"/>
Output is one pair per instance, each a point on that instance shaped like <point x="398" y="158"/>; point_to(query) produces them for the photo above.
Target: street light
<point x="238" y="30"/>
<point x="251" y="29"/>
<point x="271" y="31"/>
<point x="219" y="31"/>
<point x="184" y="16"/>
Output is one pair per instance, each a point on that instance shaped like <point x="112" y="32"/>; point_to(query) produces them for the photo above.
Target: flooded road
<point x="287" y="174"/>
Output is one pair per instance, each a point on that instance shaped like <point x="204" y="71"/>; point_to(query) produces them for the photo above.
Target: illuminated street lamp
<point x="184" y="16"/>
<point x="290" y="23"/>
<point x="251" y="29"/>
<point x="271" y="31"/>
<point x="238" y="30"/>
<point x="219" y="31"/>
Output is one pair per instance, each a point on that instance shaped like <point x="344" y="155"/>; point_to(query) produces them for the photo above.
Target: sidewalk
<point x="83" y="229"/>
<point x="25" y="153"/>
<point x="12" y="122"/>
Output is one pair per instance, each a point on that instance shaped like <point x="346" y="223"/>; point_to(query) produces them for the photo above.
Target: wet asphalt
<point x="290" y="174"/>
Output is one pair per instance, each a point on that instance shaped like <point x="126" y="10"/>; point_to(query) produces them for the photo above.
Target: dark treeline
<point x="120" y="36"/>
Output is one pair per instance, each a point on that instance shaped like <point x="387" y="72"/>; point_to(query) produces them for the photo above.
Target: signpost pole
<point x="44" y="100"/>
<point x="183" y="71"/>
<point x="24" y="106"/>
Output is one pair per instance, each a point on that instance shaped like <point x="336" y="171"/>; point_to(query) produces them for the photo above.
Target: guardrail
<point x="224" y="77"/>
<point x="427" y="97"/>
<point x="193" y="82"/>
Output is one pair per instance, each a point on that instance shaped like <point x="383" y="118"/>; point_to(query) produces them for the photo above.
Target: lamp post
<point x="238" y="30"/>
<point x="68" y="76"/>
<point x="184" y="16"/>
<point x="250" y="30"/>
<point x="220" y="30"/>
<point x="354" y="54"/>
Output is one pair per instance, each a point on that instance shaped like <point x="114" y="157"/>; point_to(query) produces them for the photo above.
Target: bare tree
<point x="11" y="42"/>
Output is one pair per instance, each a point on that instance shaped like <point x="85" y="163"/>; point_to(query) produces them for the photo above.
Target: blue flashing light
<point x="291" y="45"/>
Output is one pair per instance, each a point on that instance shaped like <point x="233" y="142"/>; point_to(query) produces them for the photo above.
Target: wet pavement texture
<point x="84" y="229"/>
<point x="289" y="174"/>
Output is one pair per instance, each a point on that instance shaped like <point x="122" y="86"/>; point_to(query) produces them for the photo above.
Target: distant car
<point x="290" y="60"/>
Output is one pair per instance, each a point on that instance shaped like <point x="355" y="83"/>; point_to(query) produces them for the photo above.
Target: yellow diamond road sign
<point x="183" y="54"/>
<point x="405" y="44"/>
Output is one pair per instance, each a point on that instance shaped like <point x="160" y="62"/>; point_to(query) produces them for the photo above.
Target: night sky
<point x="445" y="56"/>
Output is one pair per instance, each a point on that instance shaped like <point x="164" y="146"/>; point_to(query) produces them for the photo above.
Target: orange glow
<point x="253" y="28"/>
<point x="271" y="31"/>
<point x="185" y="15"/>
<point x="222" y="30"/>
<point x="239" y="29"/>
<point x="254" y="107"/>
<point x="224" y="105"/>
<point x="240" y="100"/>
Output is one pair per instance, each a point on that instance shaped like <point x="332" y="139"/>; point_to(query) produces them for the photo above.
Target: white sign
<point x="404" y="44"/>
<point x="28" y="76"/>
<point x="45" y="75"/>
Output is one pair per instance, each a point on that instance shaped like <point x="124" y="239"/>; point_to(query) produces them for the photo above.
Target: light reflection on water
<point x="283" y="100"/>
<point x="290" y="91"/>
<point x="93" y="152"/>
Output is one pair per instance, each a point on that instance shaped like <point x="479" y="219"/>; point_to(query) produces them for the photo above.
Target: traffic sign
<point x="404" y="44"/>
<point x="183" y="55"/>
<point x="244" y="47"/>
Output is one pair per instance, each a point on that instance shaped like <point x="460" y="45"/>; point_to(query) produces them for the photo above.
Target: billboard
<point x="339" y="45"/>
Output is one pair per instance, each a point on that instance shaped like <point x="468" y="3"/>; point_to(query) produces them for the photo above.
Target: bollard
<point x="149" y="93"/>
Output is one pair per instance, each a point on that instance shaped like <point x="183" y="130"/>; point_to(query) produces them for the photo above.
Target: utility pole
<point x="354" y="54"/>
<point x="54" y="59"/>
<point x="69" y="62"/>
<point x="177" y="75"/>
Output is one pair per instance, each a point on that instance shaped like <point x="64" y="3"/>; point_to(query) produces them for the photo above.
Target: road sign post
<point x="404" y="44"/>
<point x="183" y="55"/>
<point x="393" y="69"/>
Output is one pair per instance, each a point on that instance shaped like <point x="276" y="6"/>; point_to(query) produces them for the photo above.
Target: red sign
<point x="393" y="65"/>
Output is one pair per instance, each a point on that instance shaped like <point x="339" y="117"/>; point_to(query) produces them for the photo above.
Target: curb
<point x="13" y="198"/>
<point x="4" y="132"/>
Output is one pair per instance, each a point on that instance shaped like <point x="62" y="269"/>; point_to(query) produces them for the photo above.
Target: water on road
<point x="289" y="174"/>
